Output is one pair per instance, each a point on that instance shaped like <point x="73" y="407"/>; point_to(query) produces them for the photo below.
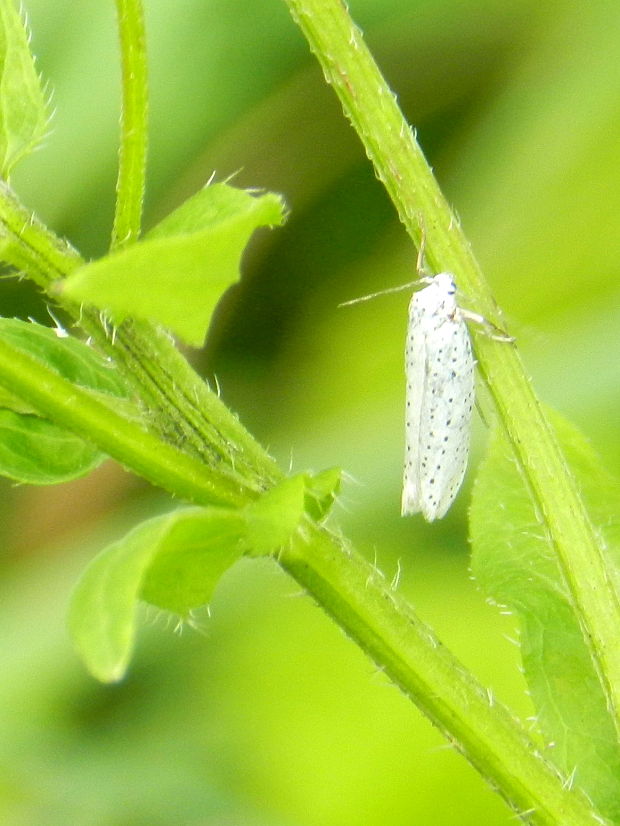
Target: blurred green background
<point x="267" y="715"/>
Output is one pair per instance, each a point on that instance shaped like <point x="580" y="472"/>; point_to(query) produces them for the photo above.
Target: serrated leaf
<point x="514" y="563"/>
<point x="23" y="111"/>
<point x="178" y="273"/>
<point x="194" y="544"/>
<point x="35" y="451"/>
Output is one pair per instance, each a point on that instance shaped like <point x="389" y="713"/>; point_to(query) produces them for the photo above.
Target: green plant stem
<point x="184" y="410"/>
<point x="349" y="589"/>
<point x="360" y="600"/>
<point x="400" y="165"/>
<point x="27" y="245"/>
<point x="117" y="435"/>
<point x="134" y="122"/>
<point x="180" y="406"/>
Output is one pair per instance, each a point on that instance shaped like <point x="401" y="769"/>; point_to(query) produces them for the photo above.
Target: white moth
<point x="439" y="367"/>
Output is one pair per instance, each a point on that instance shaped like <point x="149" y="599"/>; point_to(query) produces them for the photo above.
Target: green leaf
<point x="194" y="544"/>
<point x="271" y="519"/>
<point x="187" y="566"/>
<point x="173" y="562"/>
<point x="516" y="566"/>
<point x="10" y="401"/>
<point x="195" y="553"/>
<point x="23" y="111"/>
<point x="72" y="359"/>
<point x="321" y="491"/>
<point x="37" y="452"/>
<point x="177" y="274"/>
<point x="34" y="450"/>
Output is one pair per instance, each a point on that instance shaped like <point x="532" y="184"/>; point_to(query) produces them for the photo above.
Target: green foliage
<point x="321" y="491"/>
<point x="102" y="616"/>
<point x="189" y="560"/>
<point x="270" y="521"/>
<point x="23" y="111"/>
<point x="186" y="261"/>
<point x="173" y="562"/>
<point x="33" y="449"/>
<point x="70" y="358"/>
<point x="174" y="277"/>
<point x="514" y="563"/>
<point x="38" y="452"/>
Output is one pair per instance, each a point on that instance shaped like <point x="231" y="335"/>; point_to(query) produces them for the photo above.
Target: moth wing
<point x="415" y="370"/>
<point x="445" y="416"/>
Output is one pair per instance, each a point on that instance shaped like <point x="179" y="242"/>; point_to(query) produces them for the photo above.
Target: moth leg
<point x="495" y="332"/>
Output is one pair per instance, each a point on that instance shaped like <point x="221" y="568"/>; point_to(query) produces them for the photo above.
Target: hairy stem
<point x="362" y="602"/>
<point x="134" y="121"/>
<point x="399" y="163"/>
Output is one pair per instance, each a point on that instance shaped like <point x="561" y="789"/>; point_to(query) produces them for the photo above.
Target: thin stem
<point x="399" y="163"/>
<point x="134" y="124"/>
